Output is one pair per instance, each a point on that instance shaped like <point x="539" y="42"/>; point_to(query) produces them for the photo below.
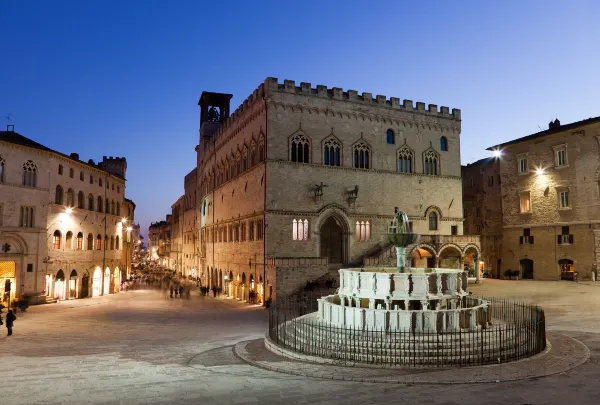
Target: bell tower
<point x="214" y="110"/>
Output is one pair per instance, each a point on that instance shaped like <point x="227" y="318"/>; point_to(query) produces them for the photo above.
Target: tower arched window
<point x="80" y="200"/>
<point x="405" y="160"/>
<point x="444" y="144"/>
<point x="433" y="221"/>
<point x="98" y="242"/>
<point x="69" y="240"/>
<point x="91" y="202"/>
<point x="332" y="151"/>
<point x="90" y="242"/>
<point x="29" y="174"/>
<point x="362" y="155"/>
<point x="59" y="196"/>
<point x="431" y="163"/>
<point x="100" y="205"/>
<point x="70" y="197"/>
<point x="1" y="170"/>
<point x="390" y="137"/>
<point x="300" y="148"/>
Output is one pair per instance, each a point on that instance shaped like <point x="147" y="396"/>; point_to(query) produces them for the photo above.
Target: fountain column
<point x="400" y="257"/>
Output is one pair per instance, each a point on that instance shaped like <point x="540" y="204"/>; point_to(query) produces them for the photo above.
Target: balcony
<point x="460" y="240"/>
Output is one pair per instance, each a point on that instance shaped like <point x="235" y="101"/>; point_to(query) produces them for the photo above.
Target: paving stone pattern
<point x="138" y="348"/>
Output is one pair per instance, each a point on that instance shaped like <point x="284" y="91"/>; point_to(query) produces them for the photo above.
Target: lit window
<point x="405" y="160"/>
<point x="363" y="230"/>
<point x="99" y="242"/>
<point x="300" y="229"/>
<point x="80" y="241"/>
<point x="523" y="165"/>
<point x="56" y="240"/>
<point x="563" y="199"/>
<point x="525" y="203"/>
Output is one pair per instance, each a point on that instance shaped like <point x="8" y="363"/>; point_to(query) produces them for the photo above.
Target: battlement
<point x="116" y="165"/>
<point x="289" y="86"/>
<point x="271" y="85"/>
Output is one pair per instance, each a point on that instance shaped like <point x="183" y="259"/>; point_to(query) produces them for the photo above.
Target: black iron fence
<point x="517" y="331"/>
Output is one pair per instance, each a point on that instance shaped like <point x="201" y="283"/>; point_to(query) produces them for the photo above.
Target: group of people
<point x="181" y="290"/>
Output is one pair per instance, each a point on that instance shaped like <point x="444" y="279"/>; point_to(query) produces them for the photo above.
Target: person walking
<point x="10" y="319"/>
<point x="181" y="291"/>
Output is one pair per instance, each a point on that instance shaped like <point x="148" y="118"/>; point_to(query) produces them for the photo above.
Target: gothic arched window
<point x="80" y="241"/>
<point x="261" y="151"/>
<point x="90" y="242"/>
<point x="433" y="221"/>
<point x="405" y="160"/>
<point x="430" y="163"/>
<point x="69" y="240"/>
<point x="332" y="151"/>
<point x="390" y="137"/>
<point x="300" y="148"/>
<point x="444" y="144"/>
<point x="98" y="242"/>
<point x="363" y="230"/>
<point x="29" y="174"/>
<point x="100" y="204"/>
<point x="91" y="202"/>
<point x="245" y="159"/>
<point x="362" y="155"/>
<point x="56" y="238"/>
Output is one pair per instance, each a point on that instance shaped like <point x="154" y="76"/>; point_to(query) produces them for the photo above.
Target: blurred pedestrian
<point x="181" y="291"/>
<point x="10" y="319"/>
<point x="171" y="295"/>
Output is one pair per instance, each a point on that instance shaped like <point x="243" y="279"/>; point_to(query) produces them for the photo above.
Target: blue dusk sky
<point x="123" y="78"/>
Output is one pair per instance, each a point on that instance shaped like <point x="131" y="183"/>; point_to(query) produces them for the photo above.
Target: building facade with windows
<point x="60" y="221"/>
<point x="190" y="226"/>
<point x="130" y="235"/>
<point x="299" y="181"/>
<point x="551" y="201"/>
<point x="159" y="244"/>
<point x="177" y="235"/>
<point x="482" y="204"/>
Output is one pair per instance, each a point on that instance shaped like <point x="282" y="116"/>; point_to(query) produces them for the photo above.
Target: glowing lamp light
<point x="129" y="229"/>
<point x="69" y="210"/>
<point x="123" y="220"/>
<point x="225" y="277"/>
<point x="497" y="153"/>
<point x="539" y="171"/>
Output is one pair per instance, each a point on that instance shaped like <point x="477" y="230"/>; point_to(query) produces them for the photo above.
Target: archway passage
<point x="567" y="270"/>
<point x="450" y="258"/>
<point x="97" y="283"/>
<point x="85" y="285"/>
<point x="59" y="285"/>
<point x="331" y="240"/>
<point x="106" y="289"/>
<point x="7" y="281"/>
<point x="73" y="284"/>
<point x="526" y="269"/>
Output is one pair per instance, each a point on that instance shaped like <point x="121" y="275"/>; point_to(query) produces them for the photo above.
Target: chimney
<point x="74" y="155"/>
<point x="10" y="128"/>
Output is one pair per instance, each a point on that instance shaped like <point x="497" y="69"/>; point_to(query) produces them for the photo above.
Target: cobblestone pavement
<point x="138" y="348"/>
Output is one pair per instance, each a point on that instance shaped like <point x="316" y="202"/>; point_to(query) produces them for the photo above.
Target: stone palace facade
<point x="61" y="221"/>
<point x="301" y="180"/>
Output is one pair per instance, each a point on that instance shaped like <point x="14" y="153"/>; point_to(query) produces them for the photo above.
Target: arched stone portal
<point x="450" y="257"/>
<point x="85" y="285"/>
<point x="106" y="289"/>
<point x="97" y="283"/>
<point x="331" y="240"/>
<point x="526" y="269"/>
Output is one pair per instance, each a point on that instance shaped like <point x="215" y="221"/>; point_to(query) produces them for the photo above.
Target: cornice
<point x="410" y="119"/>
<point x="344" y="168"/>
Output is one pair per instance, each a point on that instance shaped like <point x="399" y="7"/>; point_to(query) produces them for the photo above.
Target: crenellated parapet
<point x="271" y="84"/>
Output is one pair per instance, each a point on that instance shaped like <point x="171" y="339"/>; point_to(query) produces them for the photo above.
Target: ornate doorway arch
<point x="333" y="230"/>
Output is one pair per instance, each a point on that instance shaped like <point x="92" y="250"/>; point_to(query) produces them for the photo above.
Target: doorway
<point x="97" y="283"/>
<point x="526" y="269"/>
<point x="567" y="271"/>
<point x="331" y="240"/>
<point x="7" y="281"/>
<point x="73" y="284"/>
<point x="85" y="285"/>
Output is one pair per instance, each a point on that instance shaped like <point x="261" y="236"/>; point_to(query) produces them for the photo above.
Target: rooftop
<point x="549" y="131"/>
<point x="18" y="139"/>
